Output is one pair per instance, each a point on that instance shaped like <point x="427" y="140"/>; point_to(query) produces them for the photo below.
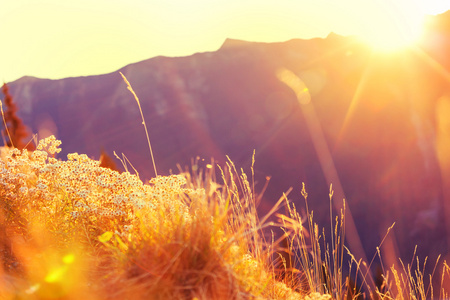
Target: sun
<point x="394" y="31"/>
<point x="390" y="39"/>
<point x="397" y="24"/>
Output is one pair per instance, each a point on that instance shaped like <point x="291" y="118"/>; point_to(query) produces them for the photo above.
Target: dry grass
<point x="75" y="230"/>
<point x="71" y="229"/>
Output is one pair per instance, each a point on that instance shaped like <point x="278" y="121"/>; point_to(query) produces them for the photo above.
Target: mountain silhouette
<point x="383" y="117"/>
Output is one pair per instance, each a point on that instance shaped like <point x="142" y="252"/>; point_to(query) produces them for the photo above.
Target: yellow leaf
<point x="105" y="237"/>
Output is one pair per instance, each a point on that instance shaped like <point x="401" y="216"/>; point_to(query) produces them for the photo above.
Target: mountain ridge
<point x="378" y="118"/>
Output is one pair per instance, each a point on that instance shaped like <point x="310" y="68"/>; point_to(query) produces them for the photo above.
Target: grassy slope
<point x="72" y="229"/>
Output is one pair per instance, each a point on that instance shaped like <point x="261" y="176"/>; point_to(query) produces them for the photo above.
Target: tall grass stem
<point x="143" y="120"/>
<point x="6" y="126"/>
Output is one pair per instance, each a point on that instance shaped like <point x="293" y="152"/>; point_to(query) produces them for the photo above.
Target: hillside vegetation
<point x="72" y="229"/>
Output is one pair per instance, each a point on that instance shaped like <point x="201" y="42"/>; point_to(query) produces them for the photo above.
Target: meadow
<point x="74" y="229"/>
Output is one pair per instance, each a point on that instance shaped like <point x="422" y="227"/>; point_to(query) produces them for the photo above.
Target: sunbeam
<point x="353" y="104"/>
<point x="436" y="66"/>
<point x="325" y="158"/>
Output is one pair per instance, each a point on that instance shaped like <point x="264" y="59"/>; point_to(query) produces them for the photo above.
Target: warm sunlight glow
<point x="397" y="26"/>
<point x="388" y="40"/>
<point x="47" y="39"/>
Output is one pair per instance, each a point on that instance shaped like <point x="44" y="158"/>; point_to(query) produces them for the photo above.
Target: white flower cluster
<point x="317" y="296"/>
<point x="82" y="190"/>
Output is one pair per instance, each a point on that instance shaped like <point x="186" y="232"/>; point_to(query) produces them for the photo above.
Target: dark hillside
<point x="384" y="118"/>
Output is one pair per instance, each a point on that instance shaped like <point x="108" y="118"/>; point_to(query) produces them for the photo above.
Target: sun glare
<point x="395" y="34"/>
<point x="394" y="25"/>
<point x="392" y="41"/>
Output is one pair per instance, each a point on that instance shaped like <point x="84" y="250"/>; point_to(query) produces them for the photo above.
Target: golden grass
<point x="75" y="230"/>
<point x="71" y="229"/>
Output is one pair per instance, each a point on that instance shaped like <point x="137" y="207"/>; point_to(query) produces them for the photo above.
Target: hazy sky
<point x="63" y="38"/>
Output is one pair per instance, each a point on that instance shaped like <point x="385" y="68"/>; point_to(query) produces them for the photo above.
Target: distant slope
<point x="378" y="114"/>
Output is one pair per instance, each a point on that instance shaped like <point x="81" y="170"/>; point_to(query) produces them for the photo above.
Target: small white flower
<point x="41" y="186"/>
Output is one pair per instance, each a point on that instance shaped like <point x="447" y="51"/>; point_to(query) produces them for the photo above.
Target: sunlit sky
<point x="64" y="38"/>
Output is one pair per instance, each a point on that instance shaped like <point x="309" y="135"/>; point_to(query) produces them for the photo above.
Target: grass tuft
<point x="73" y="229"/>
